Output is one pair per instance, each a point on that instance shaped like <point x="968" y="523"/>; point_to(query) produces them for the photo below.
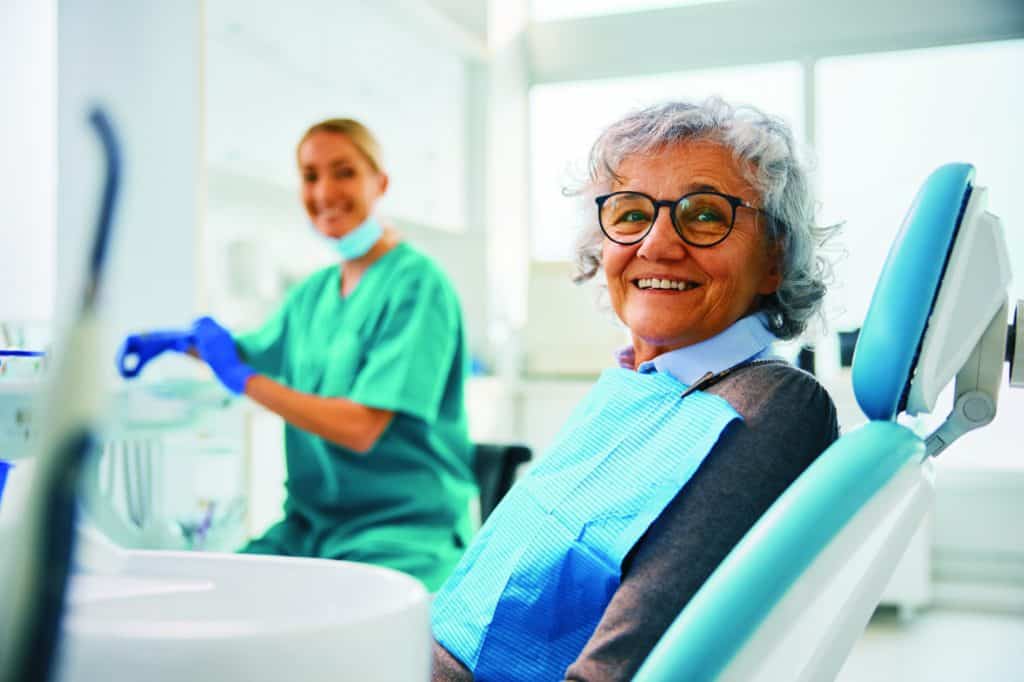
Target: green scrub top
<point x="395" y="343"/>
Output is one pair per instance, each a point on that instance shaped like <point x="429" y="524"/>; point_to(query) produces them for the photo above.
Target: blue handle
<point x="10" y="353"/>
<point x="139" y="349"/>
<point x="4" y="468"/>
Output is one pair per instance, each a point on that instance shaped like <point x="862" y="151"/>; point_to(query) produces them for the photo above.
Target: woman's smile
<point x="334" y="215"/>
<point x="665" y="285"/>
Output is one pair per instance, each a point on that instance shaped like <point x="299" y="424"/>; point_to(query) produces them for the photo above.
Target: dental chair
<point x="791" y="599"/>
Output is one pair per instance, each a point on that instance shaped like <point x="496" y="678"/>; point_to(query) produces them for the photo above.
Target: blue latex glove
<point x="217" y="348"/>
<point x="138" y="349"/>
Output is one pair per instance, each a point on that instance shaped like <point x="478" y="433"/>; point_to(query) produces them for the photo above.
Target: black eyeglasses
<point x="701" y="219"/>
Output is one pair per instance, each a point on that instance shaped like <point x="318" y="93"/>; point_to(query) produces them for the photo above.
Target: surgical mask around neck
<point x="359" y="241"/>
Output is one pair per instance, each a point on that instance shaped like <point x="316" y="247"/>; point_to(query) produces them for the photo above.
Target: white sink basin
<point x="188" y="616"/>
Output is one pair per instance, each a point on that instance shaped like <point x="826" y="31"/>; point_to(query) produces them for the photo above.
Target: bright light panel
<point x="552" y="10"/>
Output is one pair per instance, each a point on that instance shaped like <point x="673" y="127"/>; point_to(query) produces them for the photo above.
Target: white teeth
<point x="657" y="283"/>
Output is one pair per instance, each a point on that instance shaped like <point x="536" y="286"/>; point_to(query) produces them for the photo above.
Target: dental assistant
<point x="366" y="362"/>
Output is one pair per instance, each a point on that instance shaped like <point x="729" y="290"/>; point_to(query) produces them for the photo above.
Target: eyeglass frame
<point x="733" y="201"/>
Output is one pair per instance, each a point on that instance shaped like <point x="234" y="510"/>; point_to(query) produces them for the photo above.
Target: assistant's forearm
<point x="341" y="421"/>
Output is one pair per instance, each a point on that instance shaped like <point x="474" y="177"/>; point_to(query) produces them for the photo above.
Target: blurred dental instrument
<point x="15" y="355"/>
<point x="135" y="460"/>
<point x="165" y="448"/>
<point x="35" y="571"/>
<point x="213" y="518"/>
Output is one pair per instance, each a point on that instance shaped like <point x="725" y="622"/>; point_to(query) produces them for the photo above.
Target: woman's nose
<point x="324" y="191"/>
<point x="662" y="242"/>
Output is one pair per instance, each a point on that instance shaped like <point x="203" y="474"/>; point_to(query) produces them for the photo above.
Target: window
<point x="886" y="121"/>
<point x="566" y="118"/>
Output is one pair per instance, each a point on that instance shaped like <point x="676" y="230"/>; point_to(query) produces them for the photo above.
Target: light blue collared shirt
<point x="749" y="338"/>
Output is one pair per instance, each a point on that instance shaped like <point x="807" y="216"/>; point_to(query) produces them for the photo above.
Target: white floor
<point x="939" y="645"/>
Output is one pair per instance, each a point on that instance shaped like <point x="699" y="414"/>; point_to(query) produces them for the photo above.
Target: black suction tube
<point x="36" y="657"/>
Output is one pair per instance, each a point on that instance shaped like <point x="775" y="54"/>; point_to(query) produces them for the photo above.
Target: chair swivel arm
<point x="978" y="381"/>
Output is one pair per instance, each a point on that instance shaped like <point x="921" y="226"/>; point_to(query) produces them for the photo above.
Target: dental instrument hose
<point x="30" y="629"/>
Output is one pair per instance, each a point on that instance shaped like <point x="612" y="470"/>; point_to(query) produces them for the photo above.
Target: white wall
<point x="28" y="167"/>
<point x="141" y="61"/>
<point x="273" y="70"/>
<point x="506" y="180"/>
<point x="407" y="72"/>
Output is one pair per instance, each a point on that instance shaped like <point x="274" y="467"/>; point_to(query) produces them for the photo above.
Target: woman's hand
<point x="338" y="420"/>
<point x="138" y="349"/>
<point x="217" y="348"/>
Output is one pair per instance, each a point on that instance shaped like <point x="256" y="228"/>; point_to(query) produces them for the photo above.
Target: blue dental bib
<point x="534" y="584"/>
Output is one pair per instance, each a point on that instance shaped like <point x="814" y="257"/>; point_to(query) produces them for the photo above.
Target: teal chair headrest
<point x="890" y="340"/>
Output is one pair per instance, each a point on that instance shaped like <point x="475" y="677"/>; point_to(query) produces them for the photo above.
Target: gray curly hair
<point x="766" y="153"/>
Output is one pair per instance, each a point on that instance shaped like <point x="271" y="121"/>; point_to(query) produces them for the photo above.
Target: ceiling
<point x="470" y="15"/>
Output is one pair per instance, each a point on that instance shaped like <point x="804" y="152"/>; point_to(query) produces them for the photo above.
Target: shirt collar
<point x="748" y="338"/>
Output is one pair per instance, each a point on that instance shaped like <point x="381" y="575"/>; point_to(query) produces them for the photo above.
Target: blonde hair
<point x="355" y="131"/>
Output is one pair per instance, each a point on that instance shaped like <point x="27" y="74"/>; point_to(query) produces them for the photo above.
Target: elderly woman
<point x="704" y="230"/>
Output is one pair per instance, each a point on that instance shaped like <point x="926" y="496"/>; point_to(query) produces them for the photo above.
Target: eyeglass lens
<point x="699" y="218"/>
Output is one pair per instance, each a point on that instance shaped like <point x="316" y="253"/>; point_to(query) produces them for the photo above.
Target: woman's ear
<point x="383" y="180"/>
<point x="770" y="284"/>
<point x="772" y="279"/>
